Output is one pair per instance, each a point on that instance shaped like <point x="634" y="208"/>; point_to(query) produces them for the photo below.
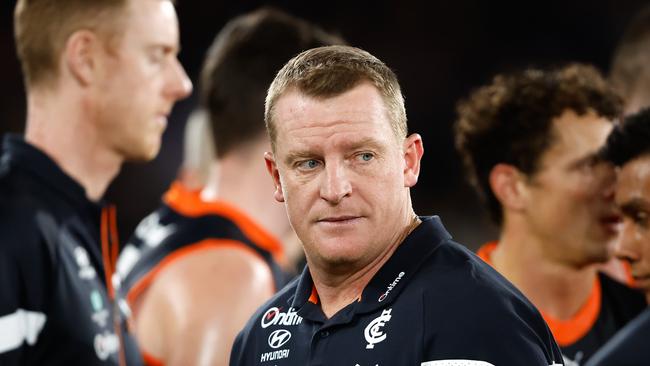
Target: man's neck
<point x="558" y="289"/>
<point x="243" y="182"/>
<point x="338" y="288"/>
<point x="63" y="133"/>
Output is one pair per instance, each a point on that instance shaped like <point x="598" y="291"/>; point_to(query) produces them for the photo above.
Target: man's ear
<point x="508" y="185"/>
<point x="80" y="56"/>
<point x="413" y="151"/>
<point x="272" y="168"/>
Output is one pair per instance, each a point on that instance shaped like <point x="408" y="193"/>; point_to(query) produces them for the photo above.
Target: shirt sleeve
<point x="489" y="325"/>
<point x="508" y="343"/>
<point x="235" y="353"/>
<point x="24" y="269"/>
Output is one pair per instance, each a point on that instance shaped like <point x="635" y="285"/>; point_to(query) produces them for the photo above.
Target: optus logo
<point x="274" y="316"/>
<point x="391" y="286"/>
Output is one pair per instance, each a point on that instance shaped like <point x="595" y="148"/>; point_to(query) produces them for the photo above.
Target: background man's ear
<point x="275" y="174"/>
<point x="508" y="185"/>
<point x="80" y="56"/>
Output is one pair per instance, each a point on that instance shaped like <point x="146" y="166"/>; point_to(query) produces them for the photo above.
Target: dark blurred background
<point x="440" y="50"/>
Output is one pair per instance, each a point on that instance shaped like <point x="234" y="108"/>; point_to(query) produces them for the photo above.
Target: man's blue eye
<point x="309" y="164"/>
<point x="366" y="156"/>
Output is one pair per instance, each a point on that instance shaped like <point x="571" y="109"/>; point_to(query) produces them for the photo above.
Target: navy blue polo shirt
<point x="629" y="347"/>
<point x="432" y="303"/>
<point x="55" y="307"/>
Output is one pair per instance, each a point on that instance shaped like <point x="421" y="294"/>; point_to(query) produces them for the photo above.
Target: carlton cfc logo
<point x="374" y="332"/>
<point x="279" y="338"/>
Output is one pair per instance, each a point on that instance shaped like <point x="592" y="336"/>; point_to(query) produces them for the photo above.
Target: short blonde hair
<point x="42" y="27"/>
<point x="326" y="72"/>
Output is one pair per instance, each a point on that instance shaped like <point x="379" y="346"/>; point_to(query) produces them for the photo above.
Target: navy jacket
<point x="55" y="307"/>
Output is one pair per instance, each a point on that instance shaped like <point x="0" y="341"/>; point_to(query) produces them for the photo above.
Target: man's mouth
<point x="611" y="222"/>
<point x="642" y="281"/>
<point x="339" y="219"/>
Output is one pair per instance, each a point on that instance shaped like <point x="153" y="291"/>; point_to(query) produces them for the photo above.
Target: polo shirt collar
<point x="18" y="153"/>
<point x="389" y="281"/>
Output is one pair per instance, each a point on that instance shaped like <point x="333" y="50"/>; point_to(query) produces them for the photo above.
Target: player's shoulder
<point x="22" y="219"/>
<point x="273" y="309"/>
<point x="22" y="195"/>
<point x="462" y="292"/>
<point x="26" y="224"/>
<point x="612" y="287"/>
<point x="212" y="258"/>
<point x="624" y="302"/>
<point x="277" y="310"/>
<point x="450" y="275"/>
<point x="453" y="265"/>
<point x="628" y="346"/>
<point x="459" y="282"/>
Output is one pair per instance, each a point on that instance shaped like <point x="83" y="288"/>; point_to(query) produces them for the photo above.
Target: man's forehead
<point x="637" y="170"/>
<point x="154" y="20"/>
<point x="361" y="105"/>
<point x="586" y="126"/>
<point x="633" y="184"/>
<point x="339" y="143"/>
<point x="580" y="134"/>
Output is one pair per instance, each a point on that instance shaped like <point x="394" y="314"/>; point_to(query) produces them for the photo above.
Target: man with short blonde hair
<point x="382" y="285"/>
<point x="41" y="36"/>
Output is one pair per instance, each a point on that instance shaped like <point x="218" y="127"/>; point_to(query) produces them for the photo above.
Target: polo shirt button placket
<point x="319" y="346"/>
<point x="324" y="333"/>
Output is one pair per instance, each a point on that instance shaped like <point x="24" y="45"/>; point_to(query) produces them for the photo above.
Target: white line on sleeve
<point x="21" y="326"/>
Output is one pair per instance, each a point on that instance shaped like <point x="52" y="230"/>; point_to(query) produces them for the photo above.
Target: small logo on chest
<point x="374" y="332"/>
<point x="279" y="338"/>
<point x="86" y="270"/>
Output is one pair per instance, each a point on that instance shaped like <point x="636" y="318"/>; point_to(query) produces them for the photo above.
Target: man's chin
<point x="589" y="257"/>
<point x="143" y="155"/>
<point x="600" y="258"/>
<point x="601" y="249"/>
<point x="338" y="262"/>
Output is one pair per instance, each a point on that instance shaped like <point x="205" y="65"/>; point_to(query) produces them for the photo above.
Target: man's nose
<point x="606" y="172"/>
<point x="335" y="184"/>
<point x="179" y="85"/>
<point x="627" y="245"/>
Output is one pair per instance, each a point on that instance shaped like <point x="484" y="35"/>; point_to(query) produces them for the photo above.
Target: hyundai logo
<point x="279" y="337"/>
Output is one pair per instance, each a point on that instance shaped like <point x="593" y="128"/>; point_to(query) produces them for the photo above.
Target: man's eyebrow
<point x="590" y="158"/>
<point x="297" y="155"/>
<point x="165" y="47"/>
<point x="634" y="205"/>
<point x="366" y="143"/>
